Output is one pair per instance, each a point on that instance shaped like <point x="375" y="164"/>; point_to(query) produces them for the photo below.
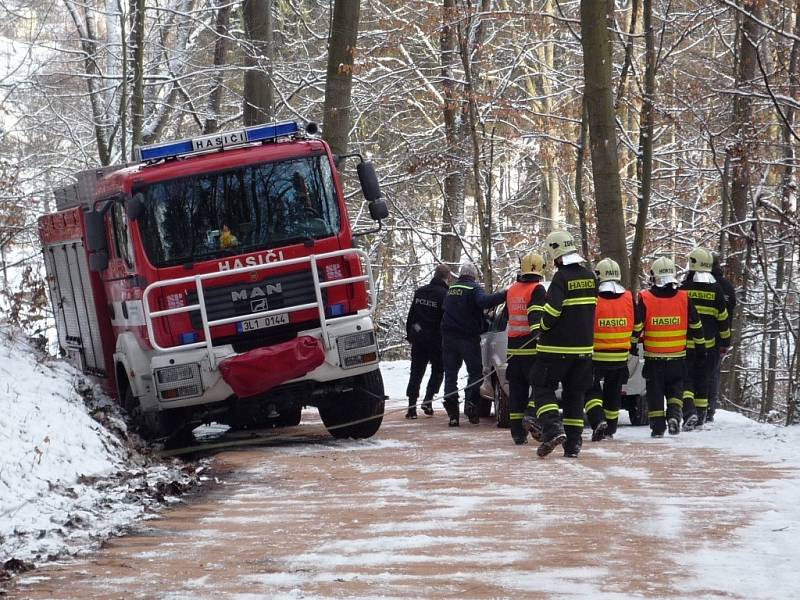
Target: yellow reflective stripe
<point x="461" y="286"/>
<point x="521" y="352"/>
<point x="573" y="423"/>
<point x="546" y="408"/>
<point x="612" y="336"/>
<point x="710" y="343"/>
<point x="610" y="356"/>
<point x="723" y="315"/>
<point x="654" y="344"/>
<point x="706" y="310"/>
<point x="566" y="349"/>
<point x="724" y="335"/>
<point x="696" y="325"/>
<point x="534" y="307"/>
<point x="664" y="333"/>
<point x="677" y="401"/>
<point x="516" y="416"/>
<point x="656" y="413"/>
<point x="579" y="301"/>
<point x="701" y="402"/>
<point x="544" y="326"/>
<point x="688" y="394"/>
<point x="551" y="311"/>
<point x="532" y="404"/>
<point x="534" y="327"/>
<point x="665" y="355"/>
<point x="638" y="327"/>
<point x="611" y="414"/>
<point x="592" y="403"/>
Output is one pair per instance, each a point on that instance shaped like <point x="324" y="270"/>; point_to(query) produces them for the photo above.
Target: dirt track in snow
<point x="424" y="511"/>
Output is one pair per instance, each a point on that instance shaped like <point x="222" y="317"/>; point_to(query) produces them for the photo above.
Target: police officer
<point x="423" y="330"/>
<point x="708" y="298"/>
<point x="564" y="349"/>
<point x="524" y="301"/>
<point x="666" y="317"/>
<point x="462" y="323"/>
<point x="613" y="341"/>
<point x="729" y="293"/>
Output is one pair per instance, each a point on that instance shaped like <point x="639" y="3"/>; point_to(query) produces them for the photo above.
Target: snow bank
<point x="65" y="480"/>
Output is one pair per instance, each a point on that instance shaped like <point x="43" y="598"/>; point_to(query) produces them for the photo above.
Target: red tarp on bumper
<point x="260" y="370"/>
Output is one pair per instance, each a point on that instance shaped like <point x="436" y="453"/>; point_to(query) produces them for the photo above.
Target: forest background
<point x="645" y="127"/>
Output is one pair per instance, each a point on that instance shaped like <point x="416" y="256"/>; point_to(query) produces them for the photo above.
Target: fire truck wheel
<point x="150" y="426"/>
<point x="501" y="407"/>
<point x="359" y="413"/>
<point x="290" y="417"/>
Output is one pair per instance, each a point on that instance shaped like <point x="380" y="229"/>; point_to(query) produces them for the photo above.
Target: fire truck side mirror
<point x="96" y="231"/>
<point x="135" y="207"/>
<point x="378" y="210"/>
<point x="369" y="181"/>
<point x="98" y="261"/>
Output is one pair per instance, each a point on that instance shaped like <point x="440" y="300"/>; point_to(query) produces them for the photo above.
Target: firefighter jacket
<point x="709" y="301"/>
<point x="567" y="325"/>
<point x="727" y="290"/>
<point x="614" y="321"/>
<point x="464" y="305"/>
<point x="525" y="301"/>
<point x="666" y="319"/>
<point x="424" y="321"/>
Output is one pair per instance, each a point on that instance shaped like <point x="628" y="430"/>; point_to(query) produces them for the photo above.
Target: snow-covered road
<point x="424" y="511"/>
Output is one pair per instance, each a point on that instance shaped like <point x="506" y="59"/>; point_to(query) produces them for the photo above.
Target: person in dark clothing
<point x="729" y="293"/>
<point x="667" y="320"/>
<point x="423" y="331"/>
<point x="462" y="323"/>
<point x="563" y="350"/>
<point x="524" y="302"/>
<point x="709" y="300"/>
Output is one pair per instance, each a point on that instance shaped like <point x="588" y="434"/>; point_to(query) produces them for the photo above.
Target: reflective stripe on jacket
<point x="666" y="324"/>
<point x="613" y="328"/>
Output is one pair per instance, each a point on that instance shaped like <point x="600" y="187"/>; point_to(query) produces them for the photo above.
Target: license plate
<point x="262" y="322"/>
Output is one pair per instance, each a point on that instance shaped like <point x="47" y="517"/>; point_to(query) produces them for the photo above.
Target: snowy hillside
<point x="65" y="480"/>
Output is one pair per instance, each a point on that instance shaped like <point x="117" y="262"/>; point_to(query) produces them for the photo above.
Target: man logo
<point x="258" y="305"/>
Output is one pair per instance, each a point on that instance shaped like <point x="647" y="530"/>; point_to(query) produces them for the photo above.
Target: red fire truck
<point x="216" y="279"/>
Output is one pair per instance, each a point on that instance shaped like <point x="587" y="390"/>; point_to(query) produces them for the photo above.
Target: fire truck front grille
<point x="241" y="299"/>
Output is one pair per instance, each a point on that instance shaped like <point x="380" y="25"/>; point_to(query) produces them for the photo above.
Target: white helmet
<point x="608" y="270"/>
<point x="560" y="243"/>
<point x="663" y="272"/>
<point x="700" y="261"/>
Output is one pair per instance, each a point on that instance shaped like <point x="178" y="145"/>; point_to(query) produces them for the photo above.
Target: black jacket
<point x="709" y="301"/>
<point x="727" y="290"/>
<point x="464" y="305"/>
<point x="567" y="323"/>
<point x="423" y="324"/>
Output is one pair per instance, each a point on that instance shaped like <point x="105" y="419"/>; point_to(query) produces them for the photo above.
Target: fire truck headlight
<point x="179" y="381"/>
<point x="357" y="349"/>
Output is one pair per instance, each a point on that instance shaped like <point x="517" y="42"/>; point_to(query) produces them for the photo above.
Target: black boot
<point x="412" y="409"/>
<point x="427" y="406"/>
<point x="554" y="436"/>
<point x="518" y="434"/>
<point x="599" y="432"/>
<point x="531" y="424"/>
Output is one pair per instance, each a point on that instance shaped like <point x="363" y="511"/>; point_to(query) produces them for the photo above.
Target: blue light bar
<point x="217" y="141"/>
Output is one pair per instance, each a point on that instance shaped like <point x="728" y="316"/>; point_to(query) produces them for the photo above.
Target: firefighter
<point x="423" y="331"/>
<point x="563" y="350"/>
<point x="729" y="293"/>
<point x="524" y="301"/>
<point x="614" y="340"/>
<point x="666" y="318"/>
<point x="462" y="323"/>
<point x="708" y="298"/>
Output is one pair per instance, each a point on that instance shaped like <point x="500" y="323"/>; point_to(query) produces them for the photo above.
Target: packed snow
<point x="66" y="480"/>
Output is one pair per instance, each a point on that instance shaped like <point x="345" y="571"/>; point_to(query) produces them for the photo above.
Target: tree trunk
<point x="220" y="60"/>
<point x="645" y="158"/>
<point x="137" y="68"/>
<point x="258" y="92"/>
<point x="453" y="204"/>
<point x="579" y="180"/>
<point x="602" y="133"/>
<point x="339" y="80"/>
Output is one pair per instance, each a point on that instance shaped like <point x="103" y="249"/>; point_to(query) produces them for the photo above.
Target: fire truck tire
<point x="290" y="417"/>
<point x="359" y="413"/>
<point x="152" y="425"/>
<point x="501" y="406"/>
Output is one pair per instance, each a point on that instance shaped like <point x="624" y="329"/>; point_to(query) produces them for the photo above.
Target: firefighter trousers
<point x="421" y="355"/>
<point x="574" y="373"/>
<point x="665" y="379"/>
<point x="604" y="398"/>
<point x="518" y="374"/>
<point x="695" y="396"/>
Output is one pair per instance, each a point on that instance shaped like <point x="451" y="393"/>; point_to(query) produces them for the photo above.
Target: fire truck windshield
<point x="234" y="212"/>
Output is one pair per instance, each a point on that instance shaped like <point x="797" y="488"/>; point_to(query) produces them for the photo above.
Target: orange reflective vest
<point x="666" y="324"/>
<point x="613" y="328"/>
<point x="517" y="299"/>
